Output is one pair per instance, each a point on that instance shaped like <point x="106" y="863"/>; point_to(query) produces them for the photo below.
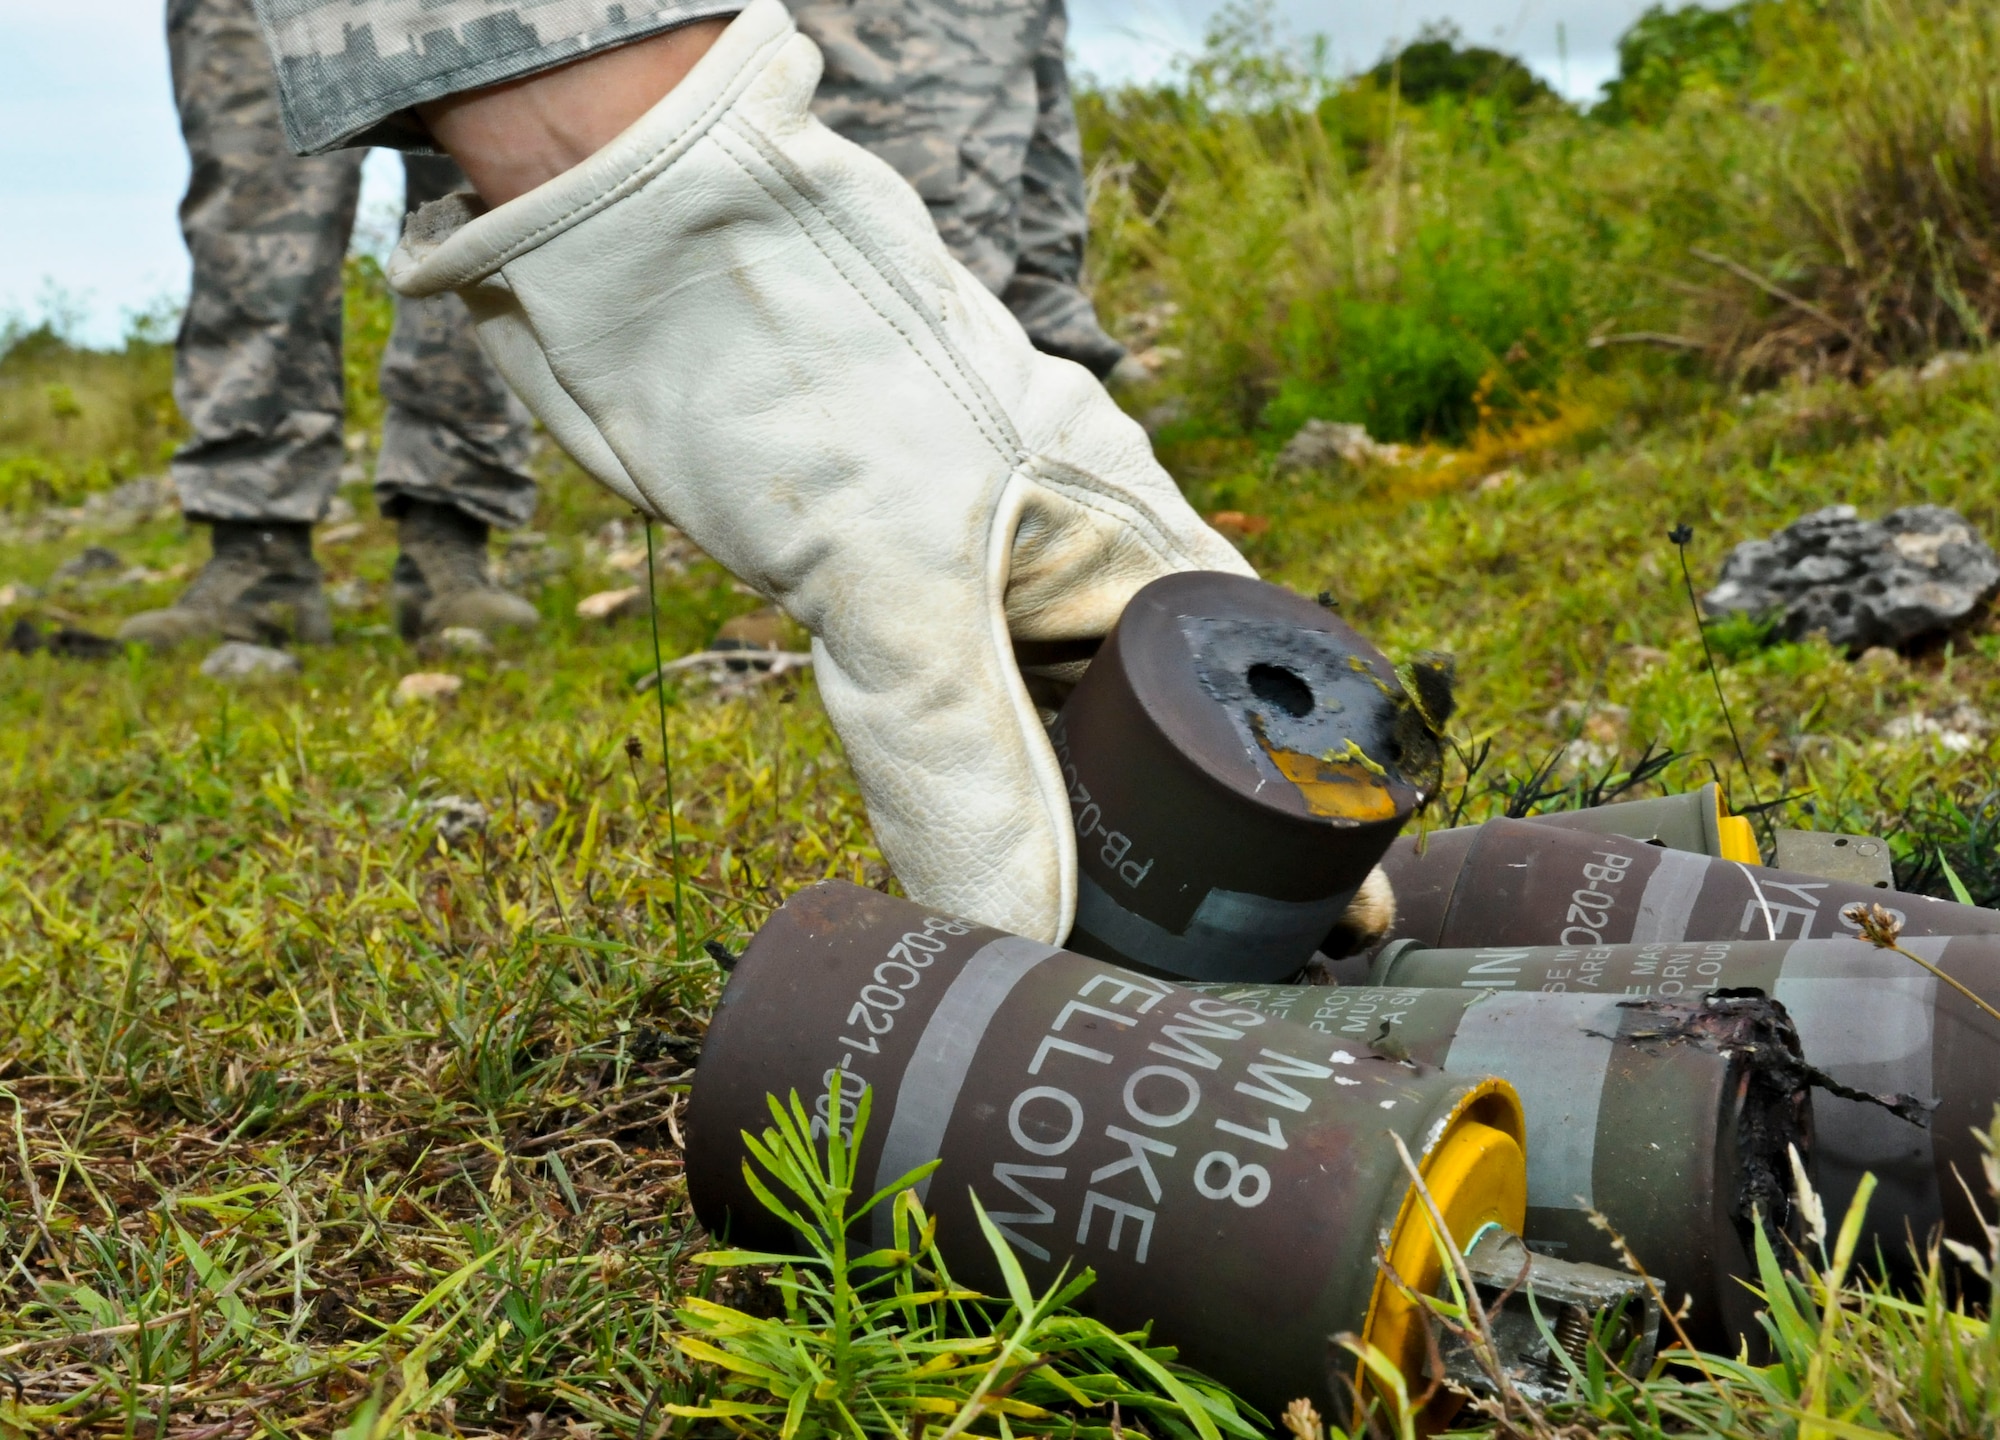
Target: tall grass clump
<point x="74" y="420"/>
<point x="1864" y="230"/>
<point x="1330" y="250"/>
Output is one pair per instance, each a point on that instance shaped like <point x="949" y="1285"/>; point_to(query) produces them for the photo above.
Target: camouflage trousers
<point x="258" y="367"/>
<point x="968" y="99"/>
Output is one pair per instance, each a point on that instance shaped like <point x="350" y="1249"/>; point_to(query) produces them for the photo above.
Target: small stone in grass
<point x="240" y="660"/>
<point x="606" y="604"/>
<point x="455" y="816"/>
<point x="94" y="560"/>
<point x="462" y="640"/>
<point x="427" y="685"/>
<point x="1237" y="525"/>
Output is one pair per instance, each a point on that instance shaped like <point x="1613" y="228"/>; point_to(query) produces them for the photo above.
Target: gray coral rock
<point x="94" y="560"/>
<point x="1918" y="570"/>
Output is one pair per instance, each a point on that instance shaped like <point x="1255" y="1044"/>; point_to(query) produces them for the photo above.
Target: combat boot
<point x="441" y="579"/>
<point x="260" y="584"/>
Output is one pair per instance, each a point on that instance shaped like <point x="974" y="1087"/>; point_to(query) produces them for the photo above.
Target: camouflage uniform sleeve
<point x="350" y="71"/>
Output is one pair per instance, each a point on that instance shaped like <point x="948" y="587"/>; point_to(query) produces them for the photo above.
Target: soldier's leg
<point x="257" y="364"/>
<point x="945" y="92"/>
<point x="971" y="104"/>
<point x="952" y="94"/>
<point x="455" y="450"/>
<point x="1045" y="291"/>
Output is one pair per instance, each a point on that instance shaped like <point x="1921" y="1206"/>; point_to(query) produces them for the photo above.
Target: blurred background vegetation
<point x="1436" y="248"/>
<point x="1441" y="245"/>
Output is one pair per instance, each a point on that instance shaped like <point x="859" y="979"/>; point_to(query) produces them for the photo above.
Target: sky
<point x="92" y="167"/>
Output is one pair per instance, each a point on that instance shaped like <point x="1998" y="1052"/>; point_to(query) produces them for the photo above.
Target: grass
<point x="327" y="1107"/>
<point x="310" y="1095"/>
<point x="887" y="1342"/>
<point x="76" y="421"/>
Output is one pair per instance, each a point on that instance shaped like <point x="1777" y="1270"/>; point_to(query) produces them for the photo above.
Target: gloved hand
<point x="747" y="325"/>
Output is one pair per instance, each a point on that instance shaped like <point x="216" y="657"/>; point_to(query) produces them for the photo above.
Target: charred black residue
<point x="1316" y="712"/>
<point x="1774" y="1091"/>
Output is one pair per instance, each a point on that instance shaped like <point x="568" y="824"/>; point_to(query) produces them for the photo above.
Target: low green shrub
<point x="75" y="420"/>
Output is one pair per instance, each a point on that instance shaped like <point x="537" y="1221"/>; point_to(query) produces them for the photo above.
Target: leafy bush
<point x="1436" y="63"/>
<point x="1668" y="51"/>
<point x="1738" y="635"/>
<point x="1417" y="295"/>
<point x="1864" y="231"/>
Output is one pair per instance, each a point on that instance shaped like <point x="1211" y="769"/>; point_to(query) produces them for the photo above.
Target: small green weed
<point x="1738" y="635"/>
<point x="885" y="1343"/>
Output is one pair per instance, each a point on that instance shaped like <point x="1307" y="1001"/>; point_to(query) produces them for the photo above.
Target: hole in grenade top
<point x="1277" y="686"/>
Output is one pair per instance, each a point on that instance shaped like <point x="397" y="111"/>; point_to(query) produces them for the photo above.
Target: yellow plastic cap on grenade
<point x="1735" y="839"/>
<point x="1477" y="1175"/>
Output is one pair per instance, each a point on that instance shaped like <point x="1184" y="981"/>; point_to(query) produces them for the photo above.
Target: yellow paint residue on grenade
<point x="1477" y="1175"/>
<point x="1348" y="787"/>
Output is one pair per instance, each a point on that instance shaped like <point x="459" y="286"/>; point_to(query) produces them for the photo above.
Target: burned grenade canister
<point x="1671" y="1118"/>
<point x="1875" y="1022"/>
<point x="1236" y="760"/>
<point x="1514" y="882"/>
<point x="1227" y="1175"/>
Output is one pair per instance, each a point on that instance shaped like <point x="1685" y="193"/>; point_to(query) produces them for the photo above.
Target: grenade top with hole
<point x="1238" y="759"/>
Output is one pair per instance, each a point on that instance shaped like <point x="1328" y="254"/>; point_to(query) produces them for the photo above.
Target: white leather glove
<point x="748" y="325"/>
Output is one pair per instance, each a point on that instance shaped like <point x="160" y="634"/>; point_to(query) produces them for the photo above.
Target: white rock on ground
<point x="1960" y="730"/>
<point x="606" y="604"/>
<point x="455" y="816"/>
<point x="462" y="640"/>
<point x="1325" y="445"/>
<point x="427" y="685"/>
<point x="240" y="660"/>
